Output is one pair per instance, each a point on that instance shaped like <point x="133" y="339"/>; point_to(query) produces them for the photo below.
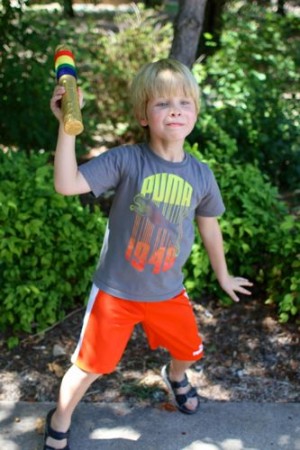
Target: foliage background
<point x="248" y="132"/>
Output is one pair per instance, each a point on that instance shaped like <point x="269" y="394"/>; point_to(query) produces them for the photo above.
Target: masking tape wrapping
<point x="66" y="76"/>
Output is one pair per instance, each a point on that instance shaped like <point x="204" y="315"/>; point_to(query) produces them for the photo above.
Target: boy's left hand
<point x="232" y="284"/>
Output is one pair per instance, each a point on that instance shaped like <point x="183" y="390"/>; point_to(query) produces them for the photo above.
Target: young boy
<point x="159" y="190"/>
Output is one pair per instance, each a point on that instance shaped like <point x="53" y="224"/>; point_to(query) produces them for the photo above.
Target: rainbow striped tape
<point x="64" y="63"/>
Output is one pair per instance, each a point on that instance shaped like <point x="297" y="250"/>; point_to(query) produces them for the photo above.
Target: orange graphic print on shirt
<point x="161" y="207"/>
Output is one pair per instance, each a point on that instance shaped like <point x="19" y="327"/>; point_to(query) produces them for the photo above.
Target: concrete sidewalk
<point x="217" y="426"/>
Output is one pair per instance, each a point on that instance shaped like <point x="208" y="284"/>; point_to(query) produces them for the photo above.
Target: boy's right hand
<point x="55" y="102"/>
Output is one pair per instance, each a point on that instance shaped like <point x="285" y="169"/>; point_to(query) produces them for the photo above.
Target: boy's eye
<point x="162" y="104"/>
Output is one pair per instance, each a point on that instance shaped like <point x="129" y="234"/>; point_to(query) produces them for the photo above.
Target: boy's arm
<point x="211" y="235"/>
<point x="67" y="178"/>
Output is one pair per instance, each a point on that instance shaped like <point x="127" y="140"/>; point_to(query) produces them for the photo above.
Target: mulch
<point x="249" y="356"/>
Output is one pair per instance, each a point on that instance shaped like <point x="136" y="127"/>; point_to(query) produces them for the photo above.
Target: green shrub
<point x="26" y="84"/>
<point x="48" y="245"/>
<point x="283" y="277"/>
<point x="116" y="59"/>
<point x="106" y="59"/>
<point x="10" y="15"/>
<point x="260" y="238"/>
<point x="250" y="87"/>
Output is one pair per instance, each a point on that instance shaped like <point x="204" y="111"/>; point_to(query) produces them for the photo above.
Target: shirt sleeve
<point x="211" y="204"/>
<point x="104" y="172"/>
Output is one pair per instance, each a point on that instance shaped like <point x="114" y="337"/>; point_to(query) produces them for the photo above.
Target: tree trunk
<point x="153" y="3"/>
<point x="212" y="25"/>
<point x="280" y="7"/>
<point x="68" y="8"/>
<point x="187" y="30"/>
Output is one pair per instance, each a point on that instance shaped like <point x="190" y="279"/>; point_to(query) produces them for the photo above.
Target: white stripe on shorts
<point x="91" y="301"/>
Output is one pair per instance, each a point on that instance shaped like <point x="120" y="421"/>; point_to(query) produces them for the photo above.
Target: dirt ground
<point x="248" y="356"/>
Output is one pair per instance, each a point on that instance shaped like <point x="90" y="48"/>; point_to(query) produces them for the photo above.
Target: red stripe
<point x="63" y="52"/>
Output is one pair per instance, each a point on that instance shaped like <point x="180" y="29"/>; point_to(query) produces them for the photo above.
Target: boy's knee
<point x="83" y="374"/>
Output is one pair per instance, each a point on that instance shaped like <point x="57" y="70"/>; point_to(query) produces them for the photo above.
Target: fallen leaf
<point x="57" y="369"/>
<point x="40" y="425"/>
<point x="168" y="407"/>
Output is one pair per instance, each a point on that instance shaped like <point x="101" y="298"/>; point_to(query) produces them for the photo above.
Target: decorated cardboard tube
<point x="66" y="76"/>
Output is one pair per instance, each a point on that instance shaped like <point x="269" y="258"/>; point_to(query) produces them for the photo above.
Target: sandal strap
<point x="183" y="398"/>
<point x="57" y="435"/>
<point x="179" y="384"/>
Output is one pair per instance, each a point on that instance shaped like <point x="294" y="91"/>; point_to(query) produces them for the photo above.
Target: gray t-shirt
<point x="150" y="230"/>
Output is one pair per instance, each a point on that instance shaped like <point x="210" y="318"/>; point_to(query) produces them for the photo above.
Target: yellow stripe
<point x="64" y="60"/>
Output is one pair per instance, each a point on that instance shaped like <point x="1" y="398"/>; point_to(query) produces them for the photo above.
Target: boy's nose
<point x="175" y="111"/>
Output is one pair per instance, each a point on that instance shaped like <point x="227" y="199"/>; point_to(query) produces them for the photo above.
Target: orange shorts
<point x="109" y="322"/>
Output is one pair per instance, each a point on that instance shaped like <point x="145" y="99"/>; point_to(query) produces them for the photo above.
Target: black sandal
<point x="57" y="435"/>
<point x="180" y="399"/>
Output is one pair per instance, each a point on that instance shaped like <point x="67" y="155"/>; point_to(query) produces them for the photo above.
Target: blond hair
<point x="163" y="78"/>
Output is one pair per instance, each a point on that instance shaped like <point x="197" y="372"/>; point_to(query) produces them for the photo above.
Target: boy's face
<point x="170" y="118"/>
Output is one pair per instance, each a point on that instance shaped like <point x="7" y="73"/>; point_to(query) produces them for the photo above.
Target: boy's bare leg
<point x="176" y="373"/>
<point x="73" y="387"/>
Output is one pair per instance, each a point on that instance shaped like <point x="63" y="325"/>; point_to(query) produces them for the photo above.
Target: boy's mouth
<point x="175" y="124"/>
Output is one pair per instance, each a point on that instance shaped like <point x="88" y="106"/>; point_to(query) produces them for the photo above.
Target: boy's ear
<point x="143" y="122"/>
